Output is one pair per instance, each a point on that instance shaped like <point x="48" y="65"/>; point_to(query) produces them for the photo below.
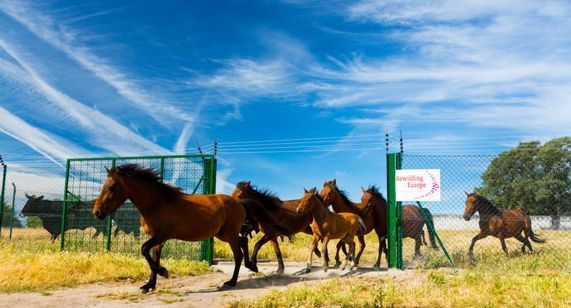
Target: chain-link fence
<point x="483" y="174"/>
<point x="38" y="216"/>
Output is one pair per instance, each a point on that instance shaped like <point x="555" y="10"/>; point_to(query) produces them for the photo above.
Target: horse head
<point x="471" y="205"/>
<point x="328" y="192"/>
<point x="307" y="202"/>
<point x="112" y="194"/>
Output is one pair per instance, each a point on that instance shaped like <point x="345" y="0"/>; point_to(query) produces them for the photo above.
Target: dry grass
<point x="25" y="270"/>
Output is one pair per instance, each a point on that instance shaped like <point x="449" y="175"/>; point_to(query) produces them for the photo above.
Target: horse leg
<point x="382" y="246"/>
<point x="417" y="243"/>
<point x="423" y="238"/>
<point x="236" y="250"/>
<point x="521" y="239"/>
<point x="352" y="252"/>
<point x="503" y="241"/>
<point x="478" y="237"/>
<point x="313" y="247"/>
<point x="247" y="263"/>
<point x="323" y="252"/>
<point x="278" y="252"/>
<point x="340" y="245"/>
<point x="362" y="246"/>
<point x="257" y="247"/>
<point x="154" y="265"/>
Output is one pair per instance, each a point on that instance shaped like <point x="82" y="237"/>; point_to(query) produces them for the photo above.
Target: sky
<point x="295" y="92"/>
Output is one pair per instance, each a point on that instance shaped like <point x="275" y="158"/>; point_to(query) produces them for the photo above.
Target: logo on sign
<point x="418" y="185"/>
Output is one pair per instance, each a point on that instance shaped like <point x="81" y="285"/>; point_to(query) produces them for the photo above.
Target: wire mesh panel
<point x="32" y="205"/>
<point x="462" y="175"/>
<point x="121" y="231"/>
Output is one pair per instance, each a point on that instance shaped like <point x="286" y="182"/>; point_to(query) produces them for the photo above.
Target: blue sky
<point x="328" y="79"/>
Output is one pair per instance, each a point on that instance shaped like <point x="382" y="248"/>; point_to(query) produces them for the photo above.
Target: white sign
<point x="418" y="185"/>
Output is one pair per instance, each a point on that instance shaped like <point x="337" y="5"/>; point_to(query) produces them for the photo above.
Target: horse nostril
<point x="97" y="213"/>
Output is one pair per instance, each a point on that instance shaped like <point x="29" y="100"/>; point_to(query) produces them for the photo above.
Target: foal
<point x="327" y="225"/>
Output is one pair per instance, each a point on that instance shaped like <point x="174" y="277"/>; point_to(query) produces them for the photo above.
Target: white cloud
<point x="65" y="40"/>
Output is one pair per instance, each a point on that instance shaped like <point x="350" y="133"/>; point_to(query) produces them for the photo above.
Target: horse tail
<point x="529" y="232"/>
<point x="534" y="237"/>
<point x="362" y="223"/>
<point x="431" y="231"/>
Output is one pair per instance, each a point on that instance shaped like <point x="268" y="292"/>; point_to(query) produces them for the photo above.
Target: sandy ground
<point x="197" y="291"/>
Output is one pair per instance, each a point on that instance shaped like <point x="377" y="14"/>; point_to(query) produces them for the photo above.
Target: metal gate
<point x="121" y="232"/>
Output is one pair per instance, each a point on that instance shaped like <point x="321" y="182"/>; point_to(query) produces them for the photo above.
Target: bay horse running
<point x="284" y="220"/>
<point x="168" y="213"/>
<point x="375" y="218"/>
<point x="413" y="226"/>
<point x="499" y="223"/>
<point x="327" y="225"/>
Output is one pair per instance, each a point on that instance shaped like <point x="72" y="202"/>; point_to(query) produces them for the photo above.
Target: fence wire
<point x="465" y="174"/>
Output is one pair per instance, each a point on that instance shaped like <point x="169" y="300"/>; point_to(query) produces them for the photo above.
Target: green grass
<point x="25" y="270"/>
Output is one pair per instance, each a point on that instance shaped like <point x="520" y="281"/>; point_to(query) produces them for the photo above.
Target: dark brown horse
<point x="413" y="226"/>
<point x="284" y="220"/>
<point x="374" y="219"/>
<point x="167" y="213"/>
<point x="327" y="225"/>
<point x="499" y="223"/>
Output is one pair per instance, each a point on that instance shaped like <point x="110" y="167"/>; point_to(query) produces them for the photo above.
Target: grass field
<point x="30" y="262"/>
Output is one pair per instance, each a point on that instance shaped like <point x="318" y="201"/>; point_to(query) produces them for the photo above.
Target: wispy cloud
<point x="102" y="131"/>
<point x="65" y="40"/>
<point x="52" y="147"/>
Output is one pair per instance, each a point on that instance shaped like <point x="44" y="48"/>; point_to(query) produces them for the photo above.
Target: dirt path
<point x="198" y="291"/>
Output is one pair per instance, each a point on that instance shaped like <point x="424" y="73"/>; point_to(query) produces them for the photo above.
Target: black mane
<point x="373" y="190"/>
<point x="486" y="207"/>
<point x="265" y="196"/>
<point x="149" y="175"/>
<point x="343" y="195"/>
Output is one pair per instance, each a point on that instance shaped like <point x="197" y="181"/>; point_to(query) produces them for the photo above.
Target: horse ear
<point x="467" y="194"/>
<point x="314" y="190"/>
<point x="363" y="189"/>
<point x="477" y="193"/>
<point x="28" y="196"/>
<point x="247" y="183"/>
<point x="106" y="169"/>
<point x="40" y="198"/>
<point x="305" y="190"/>
<point x="335" y="182"/>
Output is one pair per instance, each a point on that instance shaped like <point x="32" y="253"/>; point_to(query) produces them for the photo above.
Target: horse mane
<point x="488" y="207"/>
<point x="343" y="195"/>
<point x="265" y="196"/>
<point x="149" y="175"/>
<point x="374" y="190"/>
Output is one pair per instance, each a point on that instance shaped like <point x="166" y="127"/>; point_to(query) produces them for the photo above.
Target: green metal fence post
<point x="394" y="227"/>
<point x="209" y="187"/>
<point x="64" y="207"/>
<point x="13" y="207"/>
<point x="400" y="262"/>
<point x="109" y="220"/>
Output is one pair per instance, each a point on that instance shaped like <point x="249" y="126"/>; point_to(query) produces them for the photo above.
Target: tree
<point x="532" y="177"/>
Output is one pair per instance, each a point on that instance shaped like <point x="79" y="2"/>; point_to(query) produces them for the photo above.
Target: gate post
<point x="394" y="213"/>
<point x="64" y="207"/>
<point x="209" y="187"/>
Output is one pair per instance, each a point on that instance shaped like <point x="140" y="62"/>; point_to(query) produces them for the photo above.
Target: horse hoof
<point x="228" y="284"/>
<point x="145" y="289"/>
<point x="325" y="269"/>
<point x="253" y="268"/>
<point x="163" y="272"/>
<point x="280" y="271"/>
<point x="307" y="270"/>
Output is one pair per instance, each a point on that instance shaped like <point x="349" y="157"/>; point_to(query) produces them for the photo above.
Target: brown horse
<point x="501" y="224"/>
<point x="167" y="213"/>
<point x="413" y="224"/>
<point x="284" y="220"/>
<point x="374" y="219"/>
<point x="327" y="225"/>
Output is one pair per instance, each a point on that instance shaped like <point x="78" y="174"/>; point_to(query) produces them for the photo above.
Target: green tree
<point x="532" y="177"/>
